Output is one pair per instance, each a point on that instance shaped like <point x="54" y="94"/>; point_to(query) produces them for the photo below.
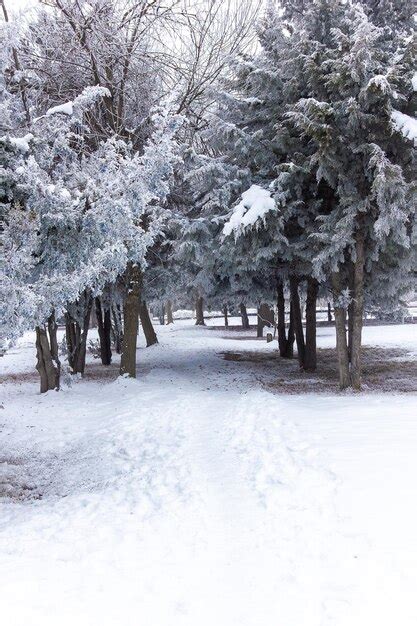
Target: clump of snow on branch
<point x="66" y="108"/>
<point x="88" y="97"/>
<point x="254" y="205"/>
<point x="20" y="143"/>
<point x="405" y="124"/>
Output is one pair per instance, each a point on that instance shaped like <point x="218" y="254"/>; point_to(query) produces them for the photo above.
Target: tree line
<point x="227" y="154"/>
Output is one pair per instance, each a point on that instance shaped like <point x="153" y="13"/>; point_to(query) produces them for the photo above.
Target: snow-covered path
<point x="193" y="496"/>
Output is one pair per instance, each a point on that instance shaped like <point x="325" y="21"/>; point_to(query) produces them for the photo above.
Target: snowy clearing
<point x="193" y="495"/>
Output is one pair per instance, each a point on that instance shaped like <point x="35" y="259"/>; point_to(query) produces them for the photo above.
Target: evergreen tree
<point x="315" y="123"/>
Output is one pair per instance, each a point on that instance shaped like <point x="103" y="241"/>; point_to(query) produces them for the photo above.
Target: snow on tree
<point x="296" y="178"/>
<point x="93" y="215"/>
<point x="255" y="203"/>
<point x="405" y="124"/>
<point x="311" y="117"/>
<point x="120" y="121"/>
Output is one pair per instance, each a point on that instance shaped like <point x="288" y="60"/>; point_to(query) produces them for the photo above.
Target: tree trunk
<point x="148" y="329"/>
<point x="310" y="363"/>
<point x="289" y="349"/>
<point x="84" y="332"/>
<point x="199" y="312"/>
<point x="350" y="309"/>
<point x="350" y="325"/>
<point x="48" y="364"/>
<point x="53" y="341"/>
<point x="265" y="318"/>
<point x="298" y="321"/>
<point x="226" y="317"/>
<point x="244" y="315"/>
<point x="117" y="329"/>
<point x="93" y="318"/>
<point x="131" y="321"/>
<point x="259" y="324"/>
<point x="162" y="315"/>
<point x="282" y="336"/>
<point x="71" y="337"/>
<point x="340" y="323"/>
<point x="170" y="317"/>
<point x="76" y="334"/>
<point x="81" y="353"/>
<point x="358" y="278"/>
<point x="329" y="312"/>
<point x="104" y="332"/>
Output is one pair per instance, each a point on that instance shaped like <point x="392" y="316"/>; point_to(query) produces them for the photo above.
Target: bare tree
<point x="212" y="34"/>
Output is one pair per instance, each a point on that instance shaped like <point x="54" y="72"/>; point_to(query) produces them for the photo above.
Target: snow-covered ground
<point x="194" y="496"/>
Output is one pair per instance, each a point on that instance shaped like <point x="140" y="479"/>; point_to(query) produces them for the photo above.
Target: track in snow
<point x="189" y="497"/>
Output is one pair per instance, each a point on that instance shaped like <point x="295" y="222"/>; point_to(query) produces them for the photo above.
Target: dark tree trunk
<point x="356" y="343"/>
<point x="117" y="329"/>
<point x="226" y="317"/>
<point x="76" y="334"/>
<point x="80" y="363"/>
<point x="170" y="317"/>
<point x="53" y="340"/>
<point x="244" y="315"/>
<point x="48" y="364"/>
<point x="71" y="338"/>
<point x="350" y="326"/>
<point x="350" y="309"/>
<point x="131" y="321"/>
<point x="162" y="315"/>
<point x="199" y="312"/>
<point x="329" y="312"/>
<point x="93" y="318"/>
<point x="282" y="335"/>
<point x="298" y="320"/>
<point x="265" y="318"/>
<point x="310" y="363"/>
<point x="104" y="332"/>
<point x="259" y="324"/>
<point x="289" y="349"/>
<point x="148" y="329"/>
<point x="340" y="323"/>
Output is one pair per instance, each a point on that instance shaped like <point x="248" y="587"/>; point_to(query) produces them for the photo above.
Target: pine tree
<point x="314" y="121"/>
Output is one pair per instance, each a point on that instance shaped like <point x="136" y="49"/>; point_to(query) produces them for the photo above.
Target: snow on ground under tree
<point x="194" y="496"/>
